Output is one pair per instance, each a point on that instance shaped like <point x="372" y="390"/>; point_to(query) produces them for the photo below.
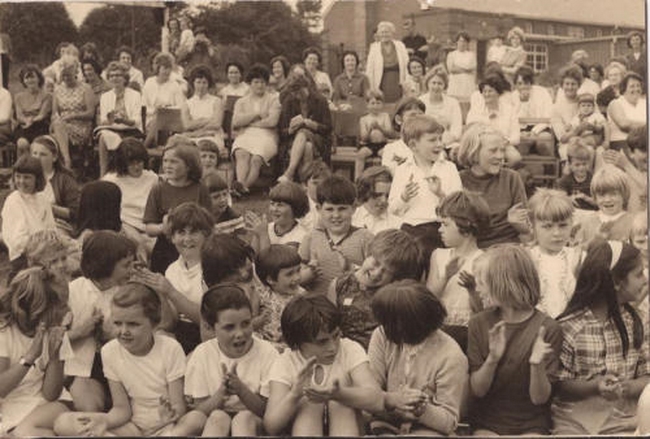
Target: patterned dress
<point x="72" y="101"/>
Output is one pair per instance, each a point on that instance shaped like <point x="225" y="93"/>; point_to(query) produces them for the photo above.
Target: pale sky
<point x="79" y="10"/>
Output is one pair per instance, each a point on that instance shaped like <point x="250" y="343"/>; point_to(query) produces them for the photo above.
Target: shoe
<point x="239" y="190"/>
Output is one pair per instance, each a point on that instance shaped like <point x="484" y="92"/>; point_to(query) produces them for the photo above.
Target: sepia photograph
<point x="324" y="218"/>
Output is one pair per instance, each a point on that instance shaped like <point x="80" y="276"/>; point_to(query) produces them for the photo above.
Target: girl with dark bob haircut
<point x="130" y="150"/>
<point x="408" y="312"/>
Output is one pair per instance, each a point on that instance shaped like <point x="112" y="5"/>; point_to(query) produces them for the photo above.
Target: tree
<point x="112" y="26"/>
<point x="260" y="29"/>
<point x="36" y="29"/>
<point x="309" y="13"/>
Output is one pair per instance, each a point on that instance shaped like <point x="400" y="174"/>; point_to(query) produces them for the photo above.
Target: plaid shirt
<point x="592" y="348"/>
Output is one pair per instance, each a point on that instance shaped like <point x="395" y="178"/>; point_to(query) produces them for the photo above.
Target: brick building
<point x="554" y="28"/>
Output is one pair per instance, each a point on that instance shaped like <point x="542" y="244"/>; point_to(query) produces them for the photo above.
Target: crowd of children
<point x="429" y="297"/>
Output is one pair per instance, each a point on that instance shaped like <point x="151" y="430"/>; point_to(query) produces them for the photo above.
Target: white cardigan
<point x="375" y="63"/>
<point x="132" y="101"/>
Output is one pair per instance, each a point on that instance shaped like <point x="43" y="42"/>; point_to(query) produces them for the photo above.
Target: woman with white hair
<point x="73" y="110"/>
<point x="387" y="65"/>
<point x="515" y="55"/>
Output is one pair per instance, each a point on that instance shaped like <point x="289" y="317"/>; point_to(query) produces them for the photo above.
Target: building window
<point x="537" y="56"/>
<point x="576" y="32"/>
<point x="599" y="32"/>
<point x="528" y="27"/>
<point x="550" y="29"/>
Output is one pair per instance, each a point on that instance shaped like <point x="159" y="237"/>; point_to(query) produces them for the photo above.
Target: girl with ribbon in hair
<point x="604" y="358"/>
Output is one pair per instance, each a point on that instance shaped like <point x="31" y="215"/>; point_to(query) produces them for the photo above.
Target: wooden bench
<point x="343" y="159"/>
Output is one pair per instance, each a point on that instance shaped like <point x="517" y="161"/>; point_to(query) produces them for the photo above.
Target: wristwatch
<point x="25" y="363"/>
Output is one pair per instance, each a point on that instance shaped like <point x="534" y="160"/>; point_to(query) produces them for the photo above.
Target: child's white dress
<point x="145" y="378"/>
<point x="27" y="396"/>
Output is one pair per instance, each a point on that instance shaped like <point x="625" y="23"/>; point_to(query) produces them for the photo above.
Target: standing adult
<point x="461" y="64"/>
<point x="387" y="64"/>
<point x="627" y="111"/>
<point x="637" y="58"/>
<point x="515" y="55"/>
<point x="351" y="82"/>
<point x="416" y="44"/>
<point x="255" y="119"/>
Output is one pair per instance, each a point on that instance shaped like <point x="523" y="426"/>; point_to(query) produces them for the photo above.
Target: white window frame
<point x="576" y="31"/>
<point x="537" y="56"/>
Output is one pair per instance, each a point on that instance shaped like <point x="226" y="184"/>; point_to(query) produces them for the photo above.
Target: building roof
<point x="622" y="13"/>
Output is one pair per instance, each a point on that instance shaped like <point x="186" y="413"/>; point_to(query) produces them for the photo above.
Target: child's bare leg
<point x="513" y="157"/>
<point x="253" y="171"/>
<point x="87" y="395"/>
<point x="307" y="160"/>
<point x="242" y="164"/>
<point x="191" y="424"/>
<point x="40" y="422"/>
<point x="308" y="420"/>
<point x="127" y="430"/>
<point x="152" y="133"/>
<point x="545" y="144"/>
<point x="218" y="424"/>
<point x="343" y="420"/>
<point x="296" y="154"/>
<point x="360" y="161"/>
<point x="247" y="424"/>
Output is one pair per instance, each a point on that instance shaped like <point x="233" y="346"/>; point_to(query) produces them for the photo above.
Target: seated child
<point x="604" y="361"/>
<point x="321" y="369"/>
<point x="577" y="182"/>
<point x="398" y="152"/>
<point x="610" y="188"/>
<point x="589" y="124"/>
<point x="278" y="267"/>
<point x="225" y="375"/>
<point x="375" y="129"/>
<point x="639" y="239"/>
<point x="182" y="285"/>
<point x="552" y="214"/>
<point x="392" y="255"/>
<point x="410" y="357"/>
<point x="462" y="216"/>
<point x="129" y="172"/>
<point x="373" y="188"/>
<point x="288" y="203"/>
<point x="106" y="261"/>
<point x="26" y="210"/>
<point x="334" y="247"/>
<point x="33" y="347"/>
<point x="145" y="375"/>
<point x="228" y="259"/>
<point x="227" y="220"/>
<point x="209" y="154"/>
<point x="420" y="185"/>
<point x="513" y="350"/>
<point x="318" y="172"/>
<point x="636" y="167"/>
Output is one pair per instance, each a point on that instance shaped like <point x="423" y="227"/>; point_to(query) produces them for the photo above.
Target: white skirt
<point x="257" y="141"/>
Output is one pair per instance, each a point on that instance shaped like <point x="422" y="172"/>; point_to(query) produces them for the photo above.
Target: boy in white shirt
<point x="225" y="374"/>
<point x="420" y="185"/>
<point x="397" y="152"/>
